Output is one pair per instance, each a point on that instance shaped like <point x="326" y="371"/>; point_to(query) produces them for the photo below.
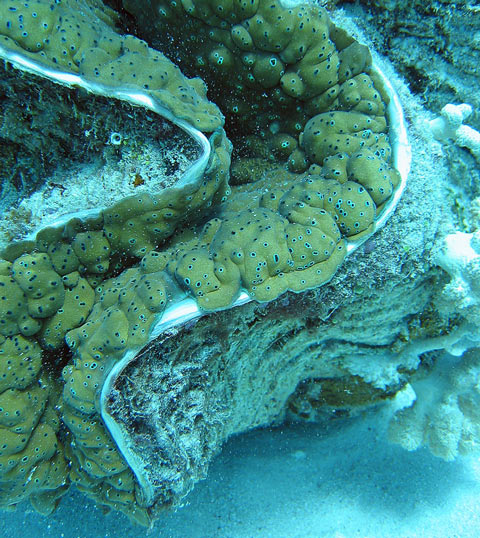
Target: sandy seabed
<point x="298" y="481"/>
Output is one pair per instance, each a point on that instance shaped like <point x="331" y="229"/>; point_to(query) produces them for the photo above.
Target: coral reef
<point x="136" y="339"/>
<point x="81" y="37"/>
<point x="53" y="133"/>
<point x="308" y="66"/>
<point x="440" y="411"/>
<point x="32" y="463"/>
<point x="433" y="43"/>
<point x="81" y="282"/>
<point x="460" y="258"/>
<point x="444" y="415"/>
<point x="450" y="126"/>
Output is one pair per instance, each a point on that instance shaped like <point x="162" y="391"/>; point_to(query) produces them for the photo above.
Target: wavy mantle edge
<point x="186" y="309"/>
<point x="134" y="97"/>
<point x="183" y="308"/>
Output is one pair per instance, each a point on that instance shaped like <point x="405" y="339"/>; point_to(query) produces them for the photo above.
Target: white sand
<point x="301" y="481"/>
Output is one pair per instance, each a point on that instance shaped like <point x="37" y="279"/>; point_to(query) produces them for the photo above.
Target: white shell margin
<point x="185" y="308"/>
<point x="137" y="97"/>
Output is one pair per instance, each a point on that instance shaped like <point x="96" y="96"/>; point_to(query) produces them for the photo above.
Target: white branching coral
<point x="460" y="258"/>
<point x="445" y="415"/>
<point x="449" y="126"/>
<point x="442" y="408"/>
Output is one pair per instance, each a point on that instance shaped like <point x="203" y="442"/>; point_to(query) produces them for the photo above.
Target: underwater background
<point x="347" y="408"/>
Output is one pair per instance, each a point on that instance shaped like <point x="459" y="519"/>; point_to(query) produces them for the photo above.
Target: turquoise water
<point x="299" y="482"/>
